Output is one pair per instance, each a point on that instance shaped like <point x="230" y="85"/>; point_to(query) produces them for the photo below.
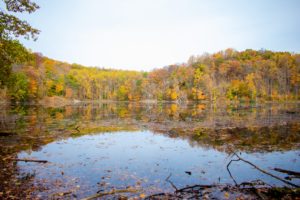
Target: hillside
<point x="226" y="75"/>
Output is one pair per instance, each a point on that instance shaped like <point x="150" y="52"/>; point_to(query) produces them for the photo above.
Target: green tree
<point x="11" y="27"/>
<point x="11" y="52"/>
<point x="18" y="87"/>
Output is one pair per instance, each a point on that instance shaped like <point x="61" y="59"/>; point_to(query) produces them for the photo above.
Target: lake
<point x="98" y="147"/>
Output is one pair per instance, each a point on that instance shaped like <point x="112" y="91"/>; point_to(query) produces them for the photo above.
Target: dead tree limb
<point x="30" y="160"/>
<point x="168" y="180"/>
<point x="289" y="172"/>
<point x="230" y="172"/>
<point x="261" y="170"/>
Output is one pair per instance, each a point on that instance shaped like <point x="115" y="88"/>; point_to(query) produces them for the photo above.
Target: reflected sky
<point x="143" y="159"/>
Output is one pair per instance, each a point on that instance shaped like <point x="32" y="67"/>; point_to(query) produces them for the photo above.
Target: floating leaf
<point x="226" y="195"/>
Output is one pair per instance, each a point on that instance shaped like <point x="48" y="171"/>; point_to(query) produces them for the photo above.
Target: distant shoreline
<point x="57" y="101"/>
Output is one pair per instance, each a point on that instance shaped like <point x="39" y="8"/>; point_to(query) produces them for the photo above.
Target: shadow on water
<point x="140" y="146"/>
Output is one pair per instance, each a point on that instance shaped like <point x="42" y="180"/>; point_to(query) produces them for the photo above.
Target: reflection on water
<point x="142" y="159"/>
<point x="96" y="147"/>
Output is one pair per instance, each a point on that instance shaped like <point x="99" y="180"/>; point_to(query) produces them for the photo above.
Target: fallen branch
<point x="254" y="183"/>
<point x="291" y="177"/>
<point x="168" y="180"/>
<point x="261" y="170"/>
<point x="289" y="172"/>
<point x="230" y="172"/>
<point x="198" y="187"/>
<point x="129" y="190"/>
<point x="30" y="160"/>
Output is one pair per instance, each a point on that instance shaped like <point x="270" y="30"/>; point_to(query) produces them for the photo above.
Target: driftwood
<point x="30" y="160"/>
<point x="259" y="169"/>
<point x="112" y="192"/>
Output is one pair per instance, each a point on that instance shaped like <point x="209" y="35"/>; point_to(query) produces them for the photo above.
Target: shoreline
<point x="57" y="101"/>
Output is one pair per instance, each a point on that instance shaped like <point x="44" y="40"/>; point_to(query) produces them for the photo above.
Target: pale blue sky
<point x="147" y="34"/>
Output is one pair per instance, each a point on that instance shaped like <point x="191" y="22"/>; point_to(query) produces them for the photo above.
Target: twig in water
<point x="172" y="184"/>
<point x="230" y="172"/>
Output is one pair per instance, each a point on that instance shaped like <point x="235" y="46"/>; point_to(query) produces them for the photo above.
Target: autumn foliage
<point x="244" y="76"/>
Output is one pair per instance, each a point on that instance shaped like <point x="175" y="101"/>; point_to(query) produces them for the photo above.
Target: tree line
<point x="248" y="75"/>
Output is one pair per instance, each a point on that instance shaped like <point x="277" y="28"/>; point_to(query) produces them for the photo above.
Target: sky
<point x="147" y="34"/>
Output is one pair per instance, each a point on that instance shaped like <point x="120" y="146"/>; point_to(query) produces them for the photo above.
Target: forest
<point x="229" y="75"/>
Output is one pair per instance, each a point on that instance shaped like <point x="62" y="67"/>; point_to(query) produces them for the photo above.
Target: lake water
<point x="93" y="148"/>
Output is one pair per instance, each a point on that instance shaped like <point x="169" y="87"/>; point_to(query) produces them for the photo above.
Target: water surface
<point x="98" y="147"/>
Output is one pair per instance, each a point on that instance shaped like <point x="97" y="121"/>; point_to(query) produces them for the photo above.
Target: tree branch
<point x="263" y="171"/>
